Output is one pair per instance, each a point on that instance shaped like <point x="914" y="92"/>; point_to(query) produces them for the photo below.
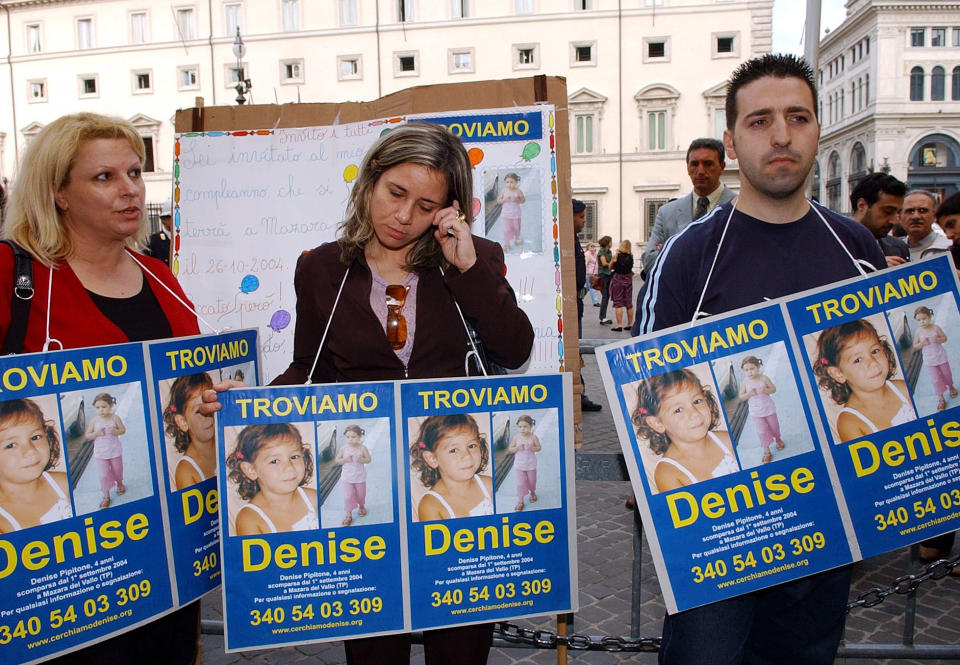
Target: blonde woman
<point x="78" y="210"/>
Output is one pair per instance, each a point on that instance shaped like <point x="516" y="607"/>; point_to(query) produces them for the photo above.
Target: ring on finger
<point x="461" y="217"/>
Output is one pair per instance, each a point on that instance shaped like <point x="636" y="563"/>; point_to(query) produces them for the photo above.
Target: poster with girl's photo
<point x="490" y="527"/>
<point x="718" y="434"/>
<point x="182" y="369"/>
<point x="513" y="208"/>
<point x="310" y="514"/>
<point x="682" y="434"/>
<point x="78" y="479"/>
<point x="880" y="352"/>
<point x="763" y="404"/>
<point x="861" y="383"/>
<point x="526" y="460"/>
<point x="354" y="464"/>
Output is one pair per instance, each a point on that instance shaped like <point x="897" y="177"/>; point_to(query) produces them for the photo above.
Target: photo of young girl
<point x="34" y="489"/>
<point x="109" y="457"/>
<point x="347" y="483"/>
<point x="510" y="198"/>
<point x="526" y="457"/>
<point x="923" y="338"/>
<point x="270" y="479"/>
<point x="450" y="467"/>
<point x="858" y="373"/>
<point x="680" y="429"/>
<point x="271" y="469"/>
<point x="512" y="211"/>
<point x="763" y="406"/>
<point x="105" y="430"/>
<point x="191" y="447"/>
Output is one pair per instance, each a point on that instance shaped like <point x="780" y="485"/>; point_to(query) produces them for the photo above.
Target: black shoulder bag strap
<point x="20" y="303"/>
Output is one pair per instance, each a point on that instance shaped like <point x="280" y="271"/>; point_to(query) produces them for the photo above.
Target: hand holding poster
<point x="784" y="439"/>
<point x="322" y="525"/>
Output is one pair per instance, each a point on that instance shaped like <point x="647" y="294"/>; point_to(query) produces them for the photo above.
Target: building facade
<point x="644" y="77"/>
<point x="889" y="79"/>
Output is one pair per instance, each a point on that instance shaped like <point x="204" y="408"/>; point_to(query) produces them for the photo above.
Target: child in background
<point x="193" y="433"/>
<point x="510" y="198"/>
<point x="757" y="390"/>
<point x="449" y="454"/>
<point x="856" y="366"/>
<point x="30" y="494"/>
<point x="929" y="339"/>
<point x="352" y="457"/>
<point x="270" y="465"/>
<point x="107" y="427"/>
<point x="677" y="416"/>
<point x="524" y="446"/>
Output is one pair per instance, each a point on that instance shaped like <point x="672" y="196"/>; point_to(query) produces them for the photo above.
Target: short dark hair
<point x="712" y="144"/>
<point x="578" y="206"/>
<point x="870" y="187"/>
<point x="777" y="65"/>
<point x="950" y="206"/>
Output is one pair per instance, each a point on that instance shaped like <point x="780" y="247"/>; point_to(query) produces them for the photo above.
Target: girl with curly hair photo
<point x="678" y="417"/>
<point x="270" y="466"/>
<point x="855" y="366"/>
<point x="449" y="453"/>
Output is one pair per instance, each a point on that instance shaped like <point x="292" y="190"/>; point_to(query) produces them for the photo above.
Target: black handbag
<point x="20" y="303"/>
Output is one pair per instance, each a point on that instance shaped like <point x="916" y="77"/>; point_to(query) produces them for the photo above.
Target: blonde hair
<point x="421" y="143"/>
<point x="33" y="220"/>
<point x="625" y="247"/>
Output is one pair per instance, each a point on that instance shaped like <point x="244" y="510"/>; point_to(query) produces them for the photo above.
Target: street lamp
<point x="243" y="84"/>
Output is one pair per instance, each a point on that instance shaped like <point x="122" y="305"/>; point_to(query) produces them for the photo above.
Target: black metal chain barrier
<point x="905" y="583"/>
<point x="543" y="638"/>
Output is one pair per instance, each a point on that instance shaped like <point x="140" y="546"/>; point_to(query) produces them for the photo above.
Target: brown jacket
<point x="356" y="348"/>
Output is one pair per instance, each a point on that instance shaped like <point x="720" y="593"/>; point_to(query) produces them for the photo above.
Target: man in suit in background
<point x="705" y="164"/>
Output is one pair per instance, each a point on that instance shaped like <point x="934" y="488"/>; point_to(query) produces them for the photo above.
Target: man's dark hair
<point x="712" y="144"/>
<point x="578" y="206"/>
<point x="870" y="187"/>
<point x="777" y="65"/>
<point x="950" y="206"/>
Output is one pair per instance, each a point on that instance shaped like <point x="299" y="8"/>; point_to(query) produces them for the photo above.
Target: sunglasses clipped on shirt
<point x="396" y="322"/>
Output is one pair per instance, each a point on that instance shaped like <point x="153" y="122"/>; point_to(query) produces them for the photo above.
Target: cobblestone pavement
<point x="605" y="554"/>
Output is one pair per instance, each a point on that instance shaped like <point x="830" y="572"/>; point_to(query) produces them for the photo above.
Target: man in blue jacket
<point x="768" y="243"/>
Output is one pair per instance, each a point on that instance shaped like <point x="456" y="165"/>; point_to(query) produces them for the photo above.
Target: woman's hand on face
<point x="210" y="399"/>
<point x="453" y="234"/>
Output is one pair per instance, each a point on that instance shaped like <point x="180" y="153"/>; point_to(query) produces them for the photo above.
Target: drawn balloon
<point x="350" y="173"/>
<point x="279" y="320"/>
<point x="476" y="206"/>
<point x="249" y="283"/>
<point x="475" y="155"/>
<point x="530" y="151"/>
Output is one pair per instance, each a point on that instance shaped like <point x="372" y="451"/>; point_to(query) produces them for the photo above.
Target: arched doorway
<point x="934" y="164"/>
